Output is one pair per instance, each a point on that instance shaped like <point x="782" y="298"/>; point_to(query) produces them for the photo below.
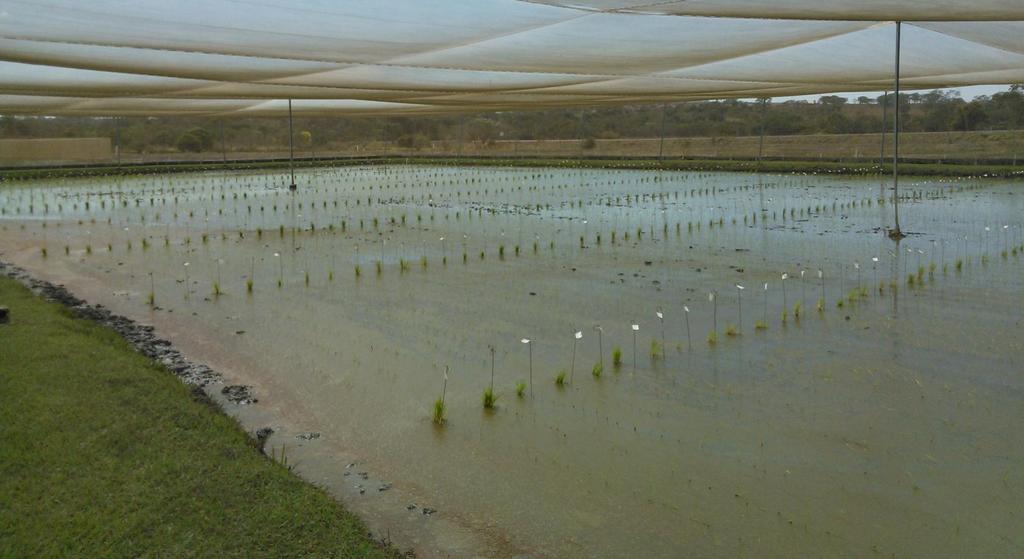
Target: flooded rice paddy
<point x="856" y="397"/>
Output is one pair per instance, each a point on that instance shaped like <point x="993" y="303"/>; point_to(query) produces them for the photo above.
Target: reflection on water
<point x="855" y="419"/>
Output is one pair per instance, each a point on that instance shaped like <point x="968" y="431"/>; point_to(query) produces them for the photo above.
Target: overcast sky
<point x="967" y="93"/>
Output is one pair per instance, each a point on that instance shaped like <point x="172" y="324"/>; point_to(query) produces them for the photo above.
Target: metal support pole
<point x="896" y="233"/>
<point x="117" y="139"/>
<point x="885" y="118"/>
<point x="579" y="134"/>
<point x="661" y="146"/>
<point x="291" y="147"/>
<point x="760" y="143"/>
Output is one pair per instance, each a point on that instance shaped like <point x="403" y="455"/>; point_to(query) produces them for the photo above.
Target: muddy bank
<point x="140" y="336"/>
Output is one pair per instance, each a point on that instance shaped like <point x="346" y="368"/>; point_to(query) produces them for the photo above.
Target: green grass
<point x="489" y="398"/>
<point x="617" y="357"/>
<point x="105" y="454"/>
<point x="560" y="379"/>
<point x="520" y="388"/>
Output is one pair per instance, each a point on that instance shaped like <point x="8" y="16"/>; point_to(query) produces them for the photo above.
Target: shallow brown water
<point x="890" y="425"/>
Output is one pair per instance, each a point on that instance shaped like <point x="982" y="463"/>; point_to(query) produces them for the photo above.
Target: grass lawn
<point x="104" y="454"/>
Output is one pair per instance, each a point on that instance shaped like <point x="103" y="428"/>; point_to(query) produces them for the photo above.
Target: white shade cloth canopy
<point x="247" y="57"/>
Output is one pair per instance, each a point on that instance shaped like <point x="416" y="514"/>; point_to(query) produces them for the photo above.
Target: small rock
<point x="262" y="434"/>
<point x="427" y="511"/>
<point x="308" y="436"/>
<point x="239" y="394"/>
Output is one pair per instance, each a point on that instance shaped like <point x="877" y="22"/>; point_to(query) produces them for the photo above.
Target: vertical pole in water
<point x="117" y="139"/>
<point x="885" y="118"/>
<point x="896" y="233"/>
<point x="760" y="143"/>
<point x="661" y="146"/>
<point x="579" y="134"/>
<point x="291" y="147"/>
<point x="223" y="146"/>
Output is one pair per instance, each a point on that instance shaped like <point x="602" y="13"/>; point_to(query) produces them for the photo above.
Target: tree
<point x="481" y="130"/>
<point x="971" y="116"/>
<point x="832" y="101"/>
<point x="194" y="140"/>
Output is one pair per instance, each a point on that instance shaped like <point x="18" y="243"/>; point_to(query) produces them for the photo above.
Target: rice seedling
<point x="656" y="350"/>
<point x="597" y="370"/>
<point x="560" y="379"/>
<point x="151" y="298"/>
<point x="216" y="284"/>
<point x="616" y="357"/>
<point x="489" y="398"/>
<point x="439" y="406"/>
<point x="520" y="389"/>
<point x="439" y="411"/>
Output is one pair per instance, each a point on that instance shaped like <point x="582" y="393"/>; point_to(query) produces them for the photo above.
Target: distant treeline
<point x="936" y="111"/>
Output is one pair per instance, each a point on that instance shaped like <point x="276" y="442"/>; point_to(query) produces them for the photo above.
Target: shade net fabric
<point x="248" y="57"/>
